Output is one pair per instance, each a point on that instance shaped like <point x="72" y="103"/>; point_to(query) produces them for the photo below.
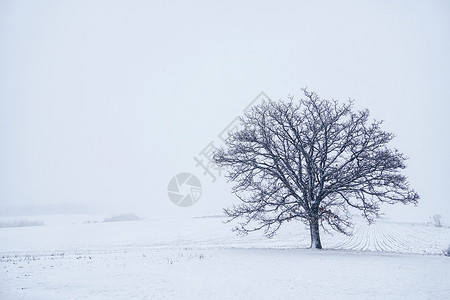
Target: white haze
<point x="103" y="102"/>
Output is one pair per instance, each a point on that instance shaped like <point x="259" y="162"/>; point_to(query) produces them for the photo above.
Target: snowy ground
<point x="199" y="258"/>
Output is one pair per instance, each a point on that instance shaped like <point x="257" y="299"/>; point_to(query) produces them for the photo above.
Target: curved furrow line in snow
<point x="339" y="241"/>
<point x="393" y="239"/>
<point x="378" y="238"/>
<point x="386" y="240"/>
<point x="352" y="241"/>
<point x="363" y="239"/>
<point x="420" y="236"/>
<point x="406" y="242"/>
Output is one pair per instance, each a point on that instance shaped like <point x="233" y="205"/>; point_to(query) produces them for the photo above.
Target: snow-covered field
<point x="200" y="258"/>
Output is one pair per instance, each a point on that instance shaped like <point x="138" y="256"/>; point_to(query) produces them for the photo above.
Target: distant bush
<point x="89" y="222"/>
<point x="437" y="220"/>
<point x="123" y="217"/>
<point x="447" y="251"/>
<point x="20" y="223"/>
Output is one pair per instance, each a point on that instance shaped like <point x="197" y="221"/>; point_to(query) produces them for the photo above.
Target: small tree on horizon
<point x="310" y="160"/>
<point x="437" y="220"/>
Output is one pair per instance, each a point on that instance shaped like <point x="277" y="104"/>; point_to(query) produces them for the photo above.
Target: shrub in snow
<point x="437" y="220"/>
<point x="120" y="218"/>
<point x="447" y="251"/>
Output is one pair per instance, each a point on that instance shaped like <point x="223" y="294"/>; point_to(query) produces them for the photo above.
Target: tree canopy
<point x="311" y="160"/>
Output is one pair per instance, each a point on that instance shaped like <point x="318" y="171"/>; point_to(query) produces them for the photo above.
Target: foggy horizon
<point x="102" y="103"/>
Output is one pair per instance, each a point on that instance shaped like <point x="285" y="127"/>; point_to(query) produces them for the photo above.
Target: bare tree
<point x="437" y="220"/>
<point x="310" y="160"/>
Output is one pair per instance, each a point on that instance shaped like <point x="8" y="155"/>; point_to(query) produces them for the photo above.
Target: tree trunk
<point x="315" y="235"/>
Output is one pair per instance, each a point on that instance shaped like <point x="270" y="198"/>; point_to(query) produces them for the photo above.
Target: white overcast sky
<point x="103" y="102"/>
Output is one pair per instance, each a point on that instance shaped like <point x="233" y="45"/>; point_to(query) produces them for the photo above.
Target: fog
<point x="103" y="102"/>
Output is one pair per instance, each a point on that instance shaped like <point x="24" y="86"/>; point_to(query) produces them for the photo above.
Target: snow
<point x="200" y="258"/>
